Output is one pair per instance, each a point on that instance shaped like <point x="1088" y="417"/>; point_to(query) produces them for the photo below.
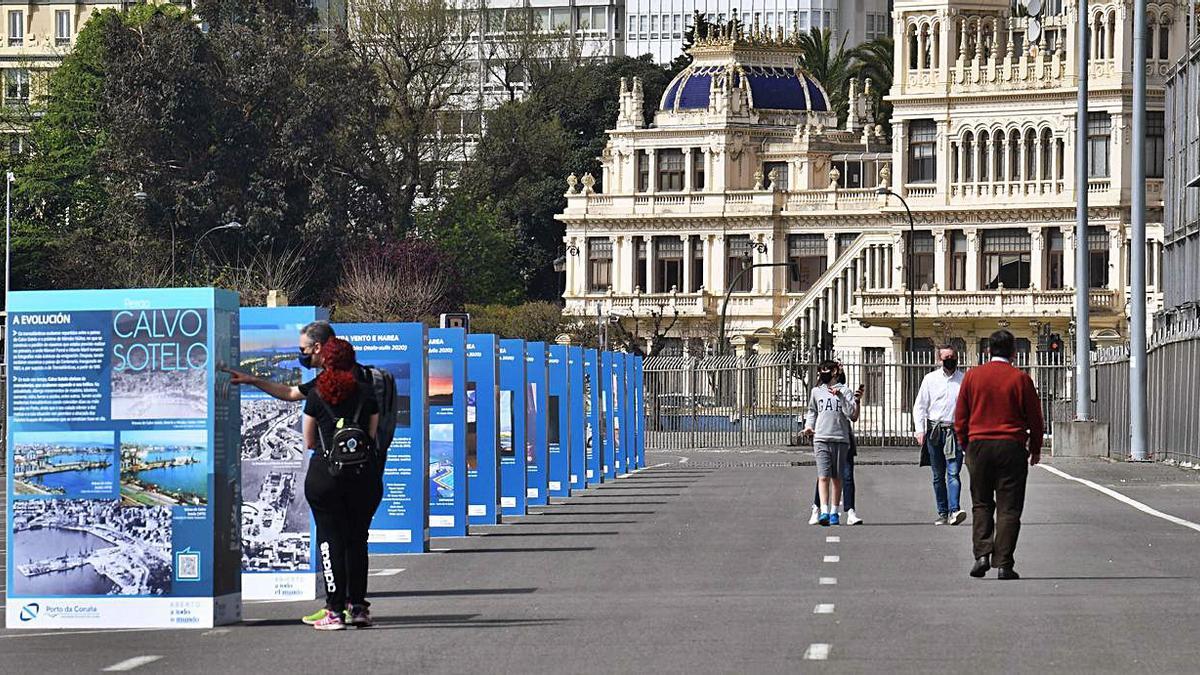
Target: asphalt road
<point x="708" y="565"/>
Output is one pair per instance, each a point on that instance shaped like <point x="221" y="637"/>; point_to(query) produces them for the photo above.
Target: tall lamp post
<point x="143" y="196"/>
<point x="231" y="225"/>
<point x="10" y="178"/>
<point x="761" y="248"/>
<point x="884" y="191"/>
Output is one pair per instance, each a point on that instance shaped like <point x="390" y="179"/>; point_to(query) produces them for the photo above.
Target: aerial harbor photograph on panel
<point x="164" y="467"/>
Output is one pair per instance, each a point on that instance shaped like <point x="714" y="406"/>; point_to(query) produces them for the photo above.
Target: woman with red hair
<point x="343" y="498"/>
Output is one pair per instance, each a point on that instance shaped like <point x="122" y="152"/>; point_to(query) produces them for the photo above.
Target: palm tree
<point x="873" y="62"/>
<point x="829" y="64"/>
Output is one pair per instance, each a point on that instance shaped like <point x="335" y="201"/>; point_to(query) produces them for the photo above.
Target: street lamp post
<point x="231" y="225"/>
<point x="10" y="178"/>
<point x="732" y="284"/>
<point x="143" y="196"/>
<point x="883" y="191"/>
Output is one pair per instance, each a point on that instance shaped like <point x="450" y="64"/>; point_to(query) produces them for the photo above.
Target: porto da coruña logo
<point x="30" y="611"/>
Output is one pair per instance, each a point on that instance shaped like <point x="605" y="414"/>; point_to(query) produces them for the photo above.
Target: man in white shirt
<point x="933" y="417"/>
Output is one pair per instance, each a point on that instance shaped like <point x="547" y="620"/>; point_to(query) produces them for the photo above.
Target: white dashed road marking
<point x="130" y="664"/>
<point x="832" y="558"/>
<point x="833" y="540"/>
<point x="823" y="608"/>
<point x="827" y="581"/>
<point x="818" y="651"/>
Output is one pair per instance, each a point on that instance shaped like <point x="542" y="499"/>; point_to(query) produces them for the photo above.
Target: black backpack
<point x="383" y="387"/>
<point x="351" y="445"/>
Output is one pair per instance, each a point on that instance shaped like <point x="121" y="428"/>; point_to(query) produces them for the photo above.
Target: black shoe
<point x="1007" y="573"/>
<point x="982" y="564"/>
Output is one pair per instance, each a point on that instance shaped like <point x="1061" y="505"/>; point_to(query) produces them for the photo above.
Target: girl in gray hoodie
<point x="830" y="410"/>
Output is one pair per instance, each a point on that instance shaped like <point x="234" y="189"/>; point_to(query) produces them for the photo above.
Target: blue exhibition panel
<point x="122" y="459"/>
<point x="620" y="402"/>
<point x="591" y="411"/>
<point x="577" y="419"/>
<point x="639" y="413"/>
<point x="558" y="445"/>
<point x="483" y="440"/>
<point x="511" y="404"/>
<point x="608" y="441"/>
<point x="447" y="391"/>
<point x="537" y="470"/>
<point x="401" y="524"/>
<point x="277" y="527"/>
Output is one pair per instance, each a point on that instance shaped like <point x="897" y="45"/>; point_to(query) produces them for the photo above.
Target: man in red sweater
<point x="997" y="414"/>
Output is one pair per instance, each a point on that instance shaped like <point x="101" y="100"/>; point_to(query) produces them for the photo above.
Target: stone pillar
<point x="830" y="249"/>
<point x="650" y="281"/>
<point x="687" y="169"/>
<point x="1021" y="163"/>
<point x="652" y="158"/>
<point x="1006" y="161"/>
<point x="899" y="141"/>
<point x="898" y="267"/>
<point x="1037" y="259"/>
<point x="1068" y="234"/>
<point x="620" y="266"/>
<point x="687" y="263"/>
<point x="940" y="258"/>
<point x="574" y="267"/>
<point x="1116" y="259"/>
<point x="972" y="259"/>
<point x="717" y="266"/>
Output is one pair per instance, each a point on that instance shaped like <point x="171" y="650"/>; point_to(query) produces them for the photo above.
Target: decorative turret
<point x="631" y="104"/>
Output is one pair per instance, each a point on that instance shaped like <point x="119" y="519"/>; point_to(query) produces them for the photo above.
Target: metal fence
<point x="1173" y="394"/>
<point x="760" y="399"/>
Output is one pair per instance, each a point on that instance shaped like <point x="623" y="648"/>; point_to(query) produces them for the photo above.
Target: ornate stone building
<point x="982" y="149"/>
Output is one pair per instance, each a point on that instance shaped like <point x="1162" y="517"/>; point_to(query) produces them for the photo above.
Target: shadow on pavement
<point x="1026" y="577"/>
<point x="600" y="495"/>
<point x="544" y="549"/>
<point x="453" y="592"/>
<point x="578" y="522"/>
<point x="593" y="513"/>
<point x="549" y="534"/>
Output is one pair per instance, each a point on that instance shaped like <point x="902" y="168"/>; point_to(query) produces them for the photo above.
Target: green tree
<point x="873" y="61"/>
<point x="827" y="60"/>
<point x="534" y="321"/>
<point x="480" y="245"/>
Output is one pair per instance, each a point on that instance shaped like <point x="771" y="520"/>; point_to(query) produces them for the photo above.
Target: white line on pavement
<point x="130" y="664"/>
<point x="832" y="558"/>
<point x="823" y="608"/>
<point x="833" y="540"/>
<point x="389" y="572"/>
<point x="827" y="581"/>
<point x="1123" y="499"/>
<point x="14" y="634"/>
<point x="817" y="651"/>
<point x="216" y="631"/>
<point x="683" y="460"/>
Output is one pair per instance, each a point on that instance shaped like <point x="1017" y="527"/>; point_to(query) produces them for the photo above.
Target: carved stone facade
<point x="733" y="173"/>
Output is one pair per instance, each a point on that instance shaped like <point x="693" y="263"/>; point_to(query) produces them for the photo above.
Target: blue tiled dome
<point x="771" y="88"/>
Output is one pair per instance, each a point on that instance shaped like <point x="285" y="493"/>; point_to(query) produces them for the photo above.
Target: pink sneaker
<point x="330" y="621"/>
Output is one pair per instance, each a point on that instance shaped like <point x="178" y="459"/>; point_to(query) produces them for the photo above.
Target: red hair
<point x="336" y="383"/>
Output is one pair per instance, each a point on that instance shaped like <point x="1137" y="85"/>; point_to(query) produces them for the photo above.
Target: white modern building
<point x="1181" y="220"/>
<point x="744" y="164"/>
<point x="656" y="27"/>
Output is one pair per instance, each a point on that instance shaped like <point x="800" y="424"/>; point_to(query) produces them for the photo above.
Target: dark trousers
<point x="998" y="472"/>
<point x="847" y="486"/>
<point x="342" y="507"/>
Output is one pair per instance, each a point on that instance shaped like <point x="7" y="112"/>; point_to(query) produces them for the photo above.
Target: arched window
<point x="913" y="51"/>
<point x="1060" y="153"/>
<point x="1046" y="147"/>
<point x="926" y="46"/>
<point x="968" y="160"/>
<point x="998" y="155"/>
<point x="1014" y="155"/>
<point x="1111" y="34"/>
<point x="1030" y="154"/>
<point x="985" y="157"/>
<point x="937" y="46"/>
<point x="1164" y="41"/>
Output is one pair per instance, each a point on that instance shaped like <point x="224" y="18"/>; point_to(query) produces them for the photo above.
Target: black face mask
<point x="305" y="360"/>
<point x="950" y="364"/>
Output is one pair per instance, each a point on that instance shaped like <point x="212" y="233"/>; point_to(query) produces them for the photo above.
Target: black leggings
<point x="343" y="506"/>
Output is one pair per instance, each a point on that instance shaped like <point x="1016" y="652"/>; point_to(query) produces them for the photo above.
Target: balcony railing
<point x="877" y="304"/>
<point x="733" y="201"/>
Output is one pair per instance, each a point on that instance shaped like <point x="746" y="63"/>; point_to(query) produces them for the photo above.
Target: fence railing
<point x="760" y="399"/>
<point x="1173" y="394"/>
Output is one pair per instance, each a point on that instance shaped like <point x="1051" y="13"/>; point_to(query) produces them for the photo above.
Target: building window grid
<point x="1055" y="275"/>
<point x="923" y="260"/>
<point x="668" y="263"/>
<point x="738" y="254"/>
<point x="670" y="170"/>
<point x="809" y="254"/>
<point x="1099" y="129"/>
<point x="1006" y="258"/>
<point x="1156" y="149"/>
<point x="16" y="28"/>
<point x="922" y="147"/>
<point x="958" y="261"/>
<point x="62" y="27"/>
<point x="600" y="264"/>
<point x="16" y="86"/>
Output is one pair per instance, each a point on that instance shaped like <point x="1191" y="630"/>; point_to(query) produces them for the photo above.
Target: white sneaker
<point x="816" y="515"/>
<point x="852" y="518"/>
<point x="958" y="517"/>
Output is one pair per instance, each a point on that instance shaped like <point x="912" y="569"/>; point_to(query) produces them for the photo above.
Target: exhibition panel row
<point x="136" y="499"/>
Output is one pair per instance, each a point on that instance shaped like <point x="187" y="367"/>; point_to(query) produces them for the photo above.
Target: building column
<point x="1006" y="161"/>
<point x="940" y="259"/>
<point x="1116" y="259"/>
<point x="620" y="266"/>
<point x="1037" y="257"/>
<point x="1021" y="163"/>
<point x="652" y="158"/>
<point x="716" y="266"/>
<point x="687" y="263"/>
<point x="899" y="169"/>
<point x="972" y="259"/>
<point x="574" y="267"/>
<point x="687" y="169"/>
<point x="899" y="271"/>
<point x="1068" y="234"/>
<point x="830" y="249"/>
<point x="650" y="287"/>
